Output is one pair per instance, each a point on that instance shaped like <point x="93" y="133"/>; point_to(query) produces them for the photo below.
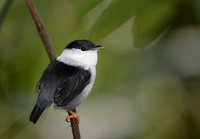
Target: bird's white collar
<point x="77" y="57"/>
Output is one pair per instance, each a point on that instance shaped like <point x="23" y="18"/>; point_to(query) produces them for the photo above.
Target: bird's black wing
<point x="63" y="82"/>
<point x="71" y="87"/>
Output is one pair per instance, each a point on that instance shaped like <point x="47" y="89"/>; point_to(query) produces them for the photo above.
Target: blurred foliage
<point x="162" y="15"/>
<point x="4" y="10"/>
<point x="147" y="27"/>
<point x="113" y="16"/>
<point x="14" y="129"/>
<point x="86" y="6"/>
<point x="153" y="92"/>
<point x="196" y="10"/>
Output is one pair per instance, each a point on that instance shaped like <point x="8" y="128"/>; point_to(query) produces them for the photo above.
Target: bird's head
<point x="82" y="53"/>
<point x="83" y="45"/>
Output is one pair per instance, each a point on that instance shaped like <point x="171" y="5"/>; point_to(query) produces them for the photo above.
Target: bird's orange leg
<point x="73" y="115"/>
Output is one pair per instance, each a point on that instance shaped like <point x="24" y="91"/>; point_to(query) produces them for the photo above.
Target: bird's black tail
<point x="37" y="111"/>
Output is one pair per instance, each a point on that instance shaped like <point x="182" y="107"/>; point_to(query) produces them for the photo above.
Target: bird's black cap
<point x="84" y="45"/>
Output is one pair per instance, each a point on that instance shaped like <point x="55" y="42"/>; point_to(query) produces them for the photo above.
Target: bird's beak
<point x="98" y="47"/>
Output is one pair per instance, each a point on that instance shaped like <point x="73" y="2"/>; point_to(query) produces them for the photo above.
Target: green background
<point x="148" y="75"/>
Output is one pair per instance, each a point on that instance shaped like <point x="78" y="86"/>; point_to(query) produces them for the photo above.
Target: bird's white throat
<point x="77" y="57"/>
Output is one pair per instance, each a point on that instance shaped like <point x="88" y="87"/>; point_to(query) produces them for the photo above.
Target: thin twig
<point x="44" y="36"/>
<point x="75" y="127"/>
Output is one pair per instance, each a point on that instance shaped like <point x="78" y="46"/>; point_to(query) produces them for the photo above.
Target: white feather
<point x="77" y="57"/>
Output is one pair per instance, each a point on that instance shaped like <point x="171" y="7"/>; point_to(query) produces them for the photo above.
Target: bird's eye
<point x="83" y="48"/>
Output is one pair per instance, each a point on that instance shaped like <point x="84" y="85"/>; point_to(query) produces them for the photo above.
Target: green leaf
<point x="152" y="21"/>
<point x="86" y="6"/>
<point x="115" y="15"/>
<point x="4" y="11"/>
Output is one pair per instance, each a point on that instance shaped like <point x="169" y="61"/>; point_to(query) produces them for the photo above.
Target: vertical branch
<point x="45" y="39"/>
<point x="74" y="126"/>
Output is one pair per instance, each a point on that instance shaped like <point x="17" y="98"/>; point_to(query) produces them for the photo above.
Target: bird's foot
<point x="73" y="115"/>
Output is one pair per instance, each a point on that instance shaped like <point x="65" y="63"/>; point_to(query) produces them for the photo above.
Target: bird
<point x="67" y="81"/>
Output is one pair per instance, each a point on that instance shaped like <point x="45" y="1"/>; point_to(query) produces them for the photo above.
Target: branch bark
<point x="75" y="127"/>
<point x="47" y="44"/>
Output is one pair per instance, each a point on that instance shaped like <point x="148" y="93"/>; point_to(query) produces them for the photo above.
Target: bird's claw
<point x="73" y="115"/>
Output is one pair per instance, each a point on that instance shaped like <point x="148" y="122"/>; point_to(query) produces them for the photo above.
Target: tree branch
<point x="75" y="127"/>
<point x="45" y="39"/>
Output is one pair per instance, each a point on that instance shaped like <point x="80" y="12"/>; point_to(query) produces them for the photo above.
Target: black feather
<point x="84" y="45"/>
<point x="37" y="111"/>
<point x="71" y="87"/>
